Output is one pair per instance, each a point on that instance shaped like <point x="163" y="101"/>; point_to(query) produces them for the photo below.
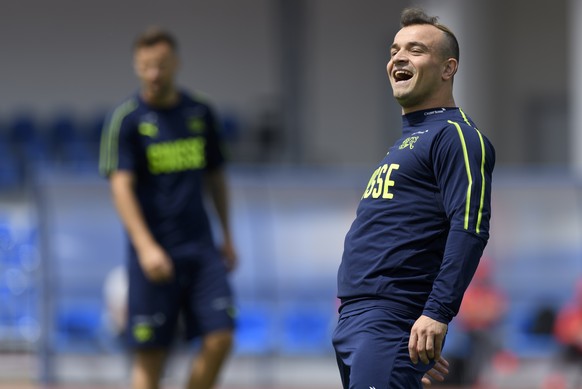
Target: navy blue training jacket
<point x="423" y="221"/>
<point x="168" y="150"/>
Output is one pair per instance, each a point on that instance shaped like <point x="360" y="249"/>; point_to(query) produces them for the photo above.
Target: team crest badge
<point x="196" y="125"/>
<point x="408" y="142"/>
<point x="148" y="129"/>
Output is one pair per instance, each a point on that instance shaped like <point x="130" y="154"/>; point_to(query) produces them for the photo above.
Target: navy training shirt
<point x="168" y="150"/>
<point x="423" y="221"/>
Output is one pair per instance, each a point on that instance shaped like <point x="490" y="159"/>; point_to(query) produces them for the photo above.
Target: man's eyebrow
<point x="418" y="44"/>
<point x="411" y="44"/>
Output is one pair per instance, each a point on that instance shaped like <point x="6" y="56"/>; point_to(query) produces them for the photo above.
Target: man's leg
<point x="372" y="347"/>
<point x="147" y="369"/>
<point x="206" y="366"/>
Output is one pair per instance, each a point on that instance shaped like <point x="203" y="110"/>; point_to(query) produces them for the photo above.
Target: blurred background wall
<point x="319" y="66"/>
<point x="301" y="88"/>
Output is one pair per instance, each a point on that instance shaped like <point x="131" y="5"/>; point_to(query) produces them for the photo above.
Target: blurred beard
<point x="158" y="93"/>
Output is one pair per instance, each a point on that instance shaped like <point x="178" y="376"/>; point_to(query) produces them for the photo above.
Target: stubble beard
<point x="406" y="98"/>
<point x="158" y="93"/>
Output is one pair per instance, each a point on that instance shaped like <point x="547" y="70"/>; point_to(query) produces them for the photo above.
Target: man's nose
<point x="399" y="57"/>
<point x="153" y="73"/>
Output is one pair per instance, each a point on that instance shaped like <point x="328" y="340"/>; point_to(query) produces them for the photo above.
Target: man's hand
<point x="426" y="340"/>
<point x="437" y="373"/>
<point x="156" y="263"/>
<point x="229" y="255"/>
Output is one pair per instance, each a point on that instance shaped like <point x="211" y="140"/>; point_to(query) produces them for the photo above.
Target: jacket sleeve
<point x="117" y="149"/>
<point x="463" y="164"/>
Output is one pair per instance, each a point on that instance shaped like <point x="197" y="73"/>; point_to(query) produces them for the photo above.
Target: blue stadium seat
<point x="26" y="138"/>
<point x="78" y="328"/>
<point x="11" y="172"/>
<point x="70" y="143"/>
<point x="307" y="330"/>
<point x="254" y="332"/>
<point x="520" y="337"/>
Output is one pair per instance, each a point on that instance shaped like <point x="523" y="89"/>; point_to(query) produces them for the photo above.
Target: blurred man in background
<point x="422" y="223"/>
<point x="160" y="150"/>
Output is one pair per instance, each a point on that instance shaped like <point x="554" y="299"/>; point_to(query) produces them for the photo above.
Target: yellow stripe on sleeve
<point x="480" y="215"/>
<point x="108" y="156"/>
<point x="467" y="166"/>
<point x="469" y="176"/>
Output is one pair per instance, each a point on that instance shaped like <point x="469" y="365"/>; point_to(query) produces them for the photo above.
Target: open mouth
<point x="401" y="75"/>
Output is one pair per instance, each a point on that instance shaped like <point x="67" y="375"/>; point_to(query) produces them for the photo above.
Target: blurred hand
<point x="426" y="340"/>
<point x="437" y="373"/>
<point x="156" y="263"/>
<point x="229" y="255"/>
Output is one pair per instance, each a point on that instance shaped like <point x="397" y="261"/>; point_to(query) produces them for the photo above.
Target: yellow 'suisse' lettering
<point x="371" y="184"/>
<point x="175" y="156"/>
<point x="380" y="182"/>
<point x="388" y="182"/>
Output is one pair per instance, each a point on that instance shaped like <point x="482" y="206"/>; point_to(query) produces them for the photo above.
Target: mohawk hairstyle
<point x="414" y="16"/>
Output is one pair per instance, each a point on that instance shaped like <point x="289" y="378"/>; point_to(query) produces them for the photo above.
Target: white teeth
<point x="400" y="75"/>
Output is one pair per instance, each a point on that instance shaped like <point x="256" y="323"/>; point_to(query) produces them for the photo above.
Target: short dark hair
<point x="414" y="16"/>
<point x="154" y="35"/>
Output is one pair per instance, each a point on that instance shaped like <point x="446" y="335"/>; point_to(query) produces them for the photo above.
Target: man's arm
<point x="218" y="190"/>
<point x="463" y="165"/>
<point x="153" y="259"/>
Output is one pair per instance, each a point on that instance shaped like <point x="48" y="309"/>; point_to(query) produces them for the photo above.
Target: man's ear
<point x="450" y="68"/>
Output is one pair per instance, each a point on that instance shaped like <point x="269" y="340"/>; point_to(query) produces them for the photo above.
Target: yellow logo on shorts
<point x="232" y="312"/>
<point x="142" y="332"/>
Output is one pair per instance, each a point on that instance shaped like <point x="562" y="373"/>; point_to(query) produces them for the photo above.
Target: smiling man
<point x="422" y="223"/>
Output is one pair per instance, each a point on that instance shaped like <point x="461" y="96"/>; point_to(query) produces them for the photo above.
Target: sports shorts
<point x="371" y="346"/>
<point x="199" y="296"/>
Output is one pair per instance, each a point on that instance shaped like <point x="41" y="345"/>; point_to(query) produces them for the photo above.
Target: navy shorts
<point x="371" y="346"/>
<point x="199" y="295"/>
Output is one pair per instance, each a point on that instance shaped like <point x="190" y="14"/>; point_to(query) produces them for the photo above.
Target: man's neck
<point x="166" y="101"/>
<point x="434" y="105"/>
